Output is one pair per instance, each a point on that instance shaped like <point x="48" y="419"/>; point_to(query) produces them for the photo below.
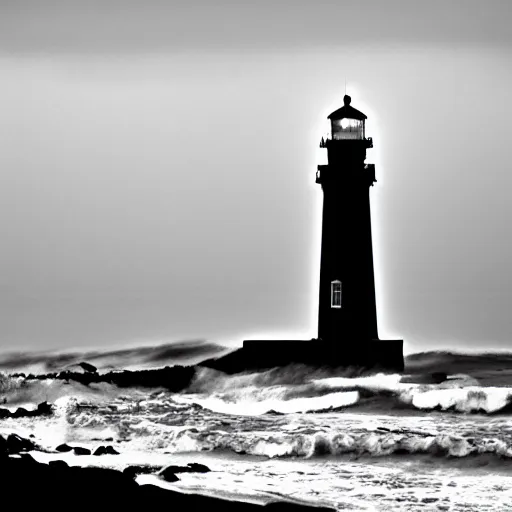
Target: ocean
<point x="337" y="438"/>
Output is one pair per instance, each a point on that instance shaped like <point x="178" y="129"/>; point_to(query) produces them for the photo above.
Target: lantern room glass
<point x="347" y="129"/>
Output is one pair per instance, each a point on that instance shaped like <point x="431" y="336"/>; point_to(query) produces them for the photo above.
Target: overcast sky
<point x="158" y="158"/>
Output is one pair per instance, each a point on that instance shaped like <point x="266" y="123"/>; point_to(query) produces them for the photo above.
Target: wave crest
<point x="295" y="390"/>
<point x="318" y="444"/>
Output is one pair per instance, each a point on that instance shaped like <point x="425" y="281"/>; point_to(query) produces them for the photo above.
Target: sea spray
<point x="207" y="380"/>
<point x="466" y="400"/>
<point x="9" y="384"/>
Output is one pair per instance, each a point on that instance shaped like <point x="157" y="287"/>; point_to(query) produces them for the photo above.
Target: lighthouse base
<point x="378" y="355"/>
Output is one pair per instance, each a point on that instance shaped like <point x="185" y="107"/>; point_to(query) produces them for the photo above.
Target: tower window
<point x="336" y="294"/>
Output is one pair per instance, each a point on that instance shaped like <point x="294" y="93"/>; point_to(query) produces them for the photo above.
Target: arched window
<point x="336" y="294"/>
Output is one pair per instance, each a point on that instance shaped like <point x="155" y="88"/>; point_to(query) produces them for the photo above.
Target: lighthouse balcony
<point x="328" y="141"/>
<point x="325" y="171"/>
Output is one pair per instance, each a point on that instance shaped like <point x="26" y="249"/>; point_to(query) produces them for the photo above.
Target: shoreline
<point x="120" y="480"/>
<point x="104" y="487"/>
<point x="482" y="463"/>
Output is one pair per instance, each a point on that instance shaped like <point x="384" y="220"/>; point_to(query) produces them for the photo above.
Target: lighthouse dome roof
<point x="347" y="111"/>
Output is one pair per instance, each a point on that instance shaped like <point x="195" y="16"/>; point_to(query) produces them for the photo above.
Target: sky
<point x="158" y="159"/>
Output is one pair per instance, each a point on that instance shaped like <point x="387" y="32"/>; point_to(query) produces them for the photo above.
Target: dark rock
<point x="177" y="469"/>
<point x="44" y="408"/>
<point x="192" y="467"/>
<point x="198" y="468"/>
<point x="88" y="367"/>
<point x="28" y="458"/>
<point x="130" y="472"/>
<point x="174" y="378"/>
<point x="20" y="412"/>
<point x="133" y="471"/>
<point x="63" y="448"/>
<point x="78" y="450"/>
<point x="100" y="451"/>
<point x="104" y="475"/>
<point x="59" y="464"/>
<point x="17" y="444"/>
<point x="168" y="474"/>
<point x="107" y="489"/>
<point x="105" y="450"/>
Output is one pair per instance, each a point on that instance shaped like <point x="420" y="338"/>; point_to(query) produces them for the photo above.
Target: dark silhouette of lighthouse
<point x="347" y="317"/>
<point x="347" y="310"/>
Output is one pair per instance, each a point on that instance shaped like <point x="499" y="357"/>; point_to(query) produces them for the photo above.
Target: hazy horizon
<point x="158" y="168"/>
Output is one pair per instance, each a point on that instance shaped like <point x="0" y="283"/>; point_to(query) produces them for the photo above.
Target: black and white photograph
<point x="255" y="255"/>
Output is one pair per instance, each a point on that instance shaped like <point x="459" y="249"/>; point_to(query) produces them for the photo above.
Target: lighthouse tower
<point x="347" y="317"/>
<point x="347" y="310"/>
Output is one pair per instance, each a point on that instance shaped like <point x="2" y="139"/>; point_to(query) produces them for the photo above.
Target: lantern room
<point x="347" y="123"/>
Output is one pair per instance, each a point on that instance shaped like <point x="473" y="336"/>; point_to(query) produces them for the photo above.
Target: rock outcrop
<point x="58" y="486"/>
<point x="43" y="409"/>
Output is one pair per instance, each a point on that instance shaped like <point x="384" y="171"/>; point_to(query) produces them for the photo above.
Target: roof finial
<point x="346" y="100"/>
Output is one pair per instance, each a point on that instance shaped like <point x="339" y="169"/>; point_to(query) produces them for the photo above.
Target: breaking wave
<point x="297" y="390"/>
<point x="373" y="444"/>
<point x="166" y="426"/>
<point x="287" y="391"/>
<point x="464" y="400"/>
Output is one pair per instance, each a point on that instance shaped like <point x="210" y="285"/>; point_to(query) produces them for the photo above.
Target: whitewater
<point x="342" y="439"/>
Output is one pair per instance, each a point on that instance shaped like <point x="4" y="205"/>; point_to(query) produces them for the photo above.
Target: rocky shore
<point x="62" y="487"/>
<point x="43" y="409"/>
<point x="174" y="379"/>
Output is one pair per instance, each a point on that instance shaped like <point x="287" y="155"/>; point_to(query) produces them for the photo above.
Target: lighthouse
<point x="347" y="315"/>
<point x="347" y="309"/>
